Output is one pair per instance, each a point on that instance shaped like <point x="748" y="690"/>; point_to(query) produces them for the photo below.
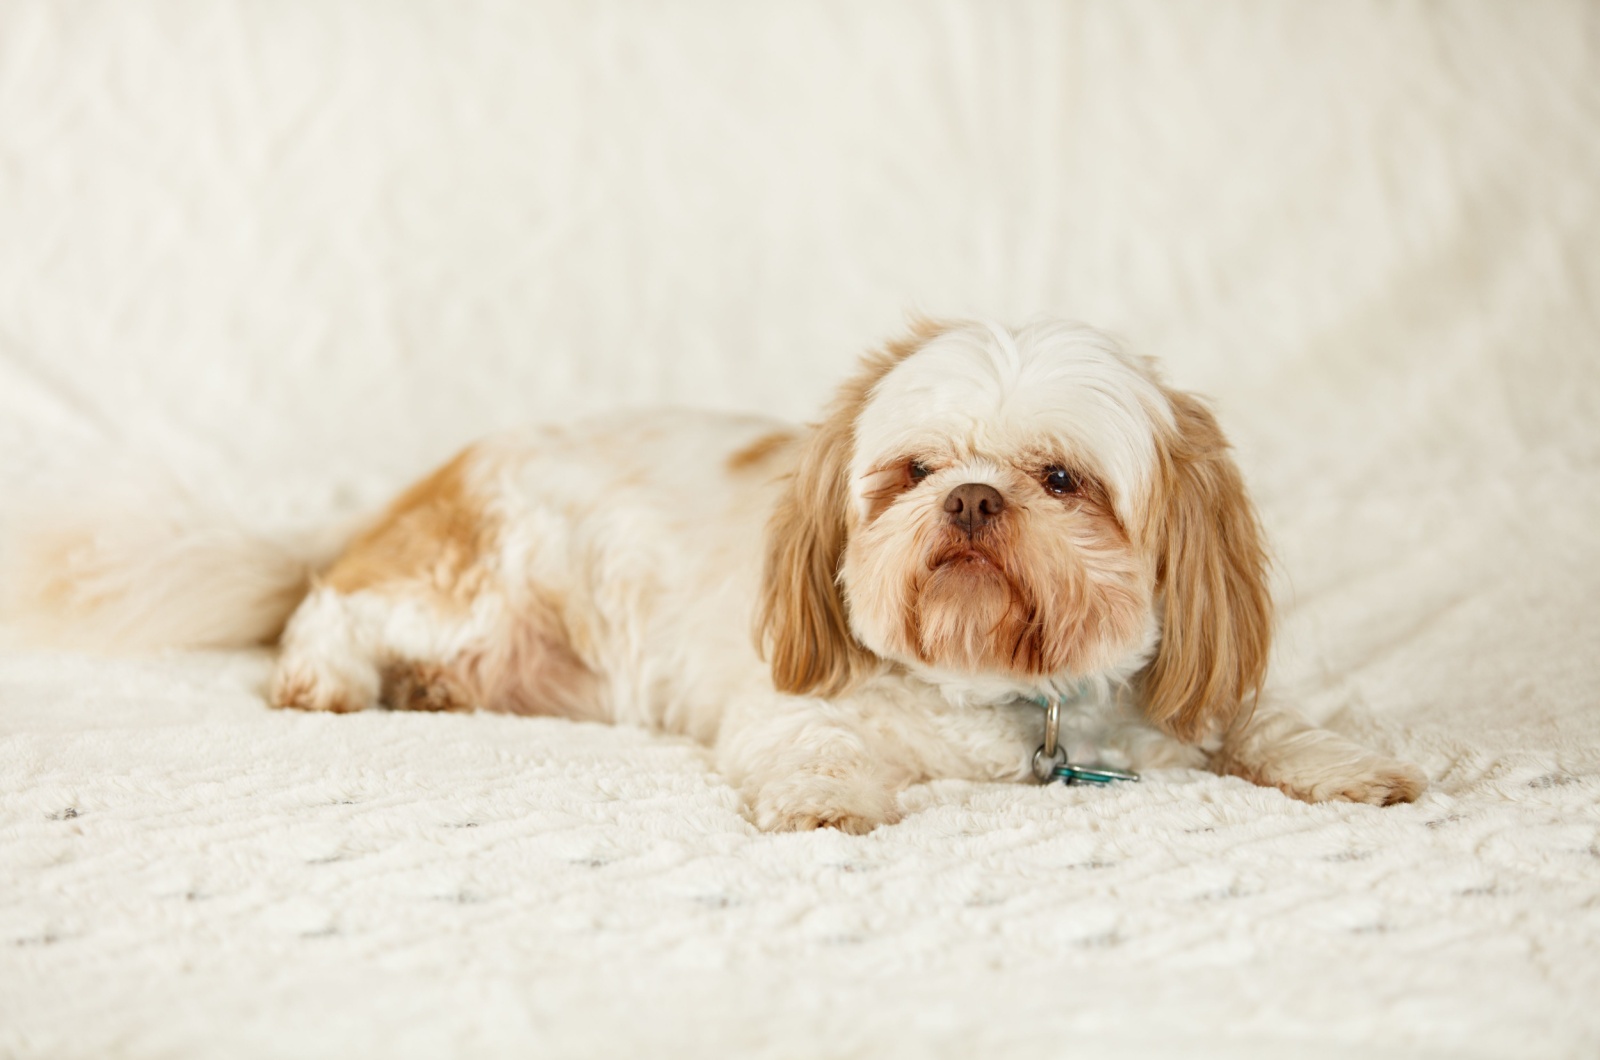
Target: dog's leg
<point x="1275" y="747"/>
<point x="803" y="764"/>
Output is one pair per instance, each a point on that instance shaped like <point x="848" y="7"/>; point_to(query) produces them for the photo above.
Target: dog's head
<point x="1025" y="508"/>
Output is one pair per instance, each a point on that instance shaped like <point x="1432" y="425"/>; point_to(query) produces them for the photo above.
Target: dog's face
<point x="1025" y="509"/>
<point x="998" y="485"/>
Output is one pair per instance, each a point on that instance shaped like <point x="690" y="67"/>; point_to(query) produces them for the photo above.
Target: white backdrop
<point x="294" y="252"/>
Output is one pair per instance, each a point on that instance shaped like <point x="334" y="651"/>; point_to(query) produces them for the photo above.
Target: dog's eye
<point x="1059" y="480"/>
<point x="917" y="471"/>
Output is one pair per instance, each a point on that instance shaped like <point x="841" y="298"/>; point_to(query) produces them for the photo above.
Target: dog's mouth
<point x="967" y="557"/>
<point x="965" y="573"/>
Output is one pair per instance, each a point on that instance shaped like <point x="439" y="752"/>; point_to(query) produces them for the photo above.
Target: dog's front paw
<point x="1334" y="770"/>
<point x="1373" y="780"/>
<point x="1276" y="748"/>
<point x="806" y="803"/>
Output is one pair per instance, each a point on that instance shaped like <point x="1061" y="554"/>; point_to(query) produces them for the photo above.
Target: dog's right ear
<point x="802" y="627"/>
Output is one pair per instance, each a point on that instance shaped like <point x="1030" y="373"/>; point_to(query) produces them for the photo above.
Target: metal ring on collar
<point x="1044" y="768"/>
<point x="1052" y="727"/>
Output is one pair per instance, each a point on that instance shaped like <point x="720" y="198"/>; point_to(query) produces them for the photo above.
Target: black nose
<point x="972" y="505"/>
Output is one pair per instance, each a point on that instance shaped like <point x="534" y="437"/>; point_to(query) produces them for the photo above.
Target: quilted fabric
<point x="290" y="253"/>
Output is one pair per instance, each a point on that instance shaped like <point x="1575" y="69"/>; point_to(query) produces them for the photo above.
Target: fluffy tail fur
<point x="143" y="578"/>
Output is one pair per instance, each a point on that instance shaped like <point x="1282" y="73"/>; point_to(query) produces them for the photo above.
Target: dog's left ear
<point x="1216" y="614"/>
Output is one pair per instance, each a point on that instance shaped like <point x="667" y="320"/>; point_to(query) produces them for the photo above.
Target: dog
<point x="985" y="519"/>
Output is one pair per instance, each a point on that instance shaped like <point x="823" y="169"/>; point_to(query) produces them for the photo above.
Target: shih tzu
<point x="984" y="520"/>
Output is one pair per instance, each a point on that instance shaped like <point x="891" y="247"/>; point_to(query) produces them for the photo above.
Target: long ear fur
<point x="802" y="627"/>
<point x="1212" y="576"/>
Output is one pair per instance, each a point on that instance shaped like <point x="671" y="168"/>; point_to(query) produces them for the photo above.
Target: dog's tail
<point x="146" y="576"/>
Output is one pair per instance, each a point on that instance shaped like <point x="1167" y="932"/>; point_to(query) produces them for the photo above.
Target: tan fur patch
<point x="758" y="452"/>
<point x="885" y="484"/>
<point x="435" y="535"/>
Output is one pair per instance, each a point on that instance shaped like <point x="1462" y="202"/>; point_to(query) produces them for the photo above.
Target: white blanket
<point x="292" y="253"/>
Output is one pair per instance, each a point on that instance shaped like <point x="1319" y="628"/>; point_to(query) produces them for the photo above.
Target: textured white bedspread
<point x="294" y="252"/>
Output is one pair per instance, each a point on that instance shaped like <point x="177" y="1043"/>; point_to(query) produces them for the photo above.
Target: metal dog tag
<point x="1071" y="774"/>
